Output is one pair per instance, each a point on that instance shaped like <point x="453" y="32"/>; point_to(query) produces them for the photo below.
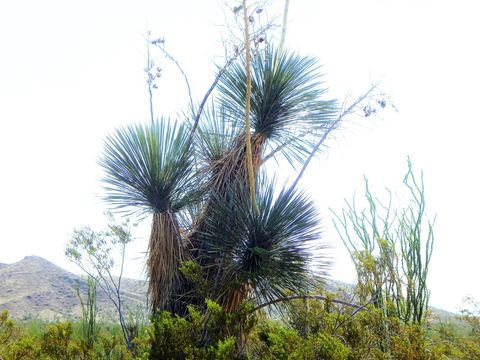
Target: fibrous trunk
<point x="165" y="255"/>
<point x="227" y="173"/>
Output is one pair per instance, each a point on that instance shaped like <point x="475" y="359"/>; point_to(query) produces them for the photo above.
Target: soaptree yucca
<point x="149" y="170"/>
<point x="193" y="180"/>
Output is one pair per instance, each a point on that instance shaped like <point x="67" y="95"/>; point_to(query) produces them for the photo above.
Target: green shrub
<point x="196" y="336"/>
<point x="57" y="341"/>
<point x="170" y="336"/>
<point x="6" y="328"/>
<point x="25" y="348"/>
<point x="308" y="330"/>
<point x="325" y="346"/>
<point x="277" y="342"/>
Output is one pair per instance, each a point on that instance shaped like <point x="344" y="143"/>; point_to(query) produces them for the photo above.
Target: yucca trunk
<point x="233" y="167"/>
<point x="258" y="146"/>
<point x="165" y="255"/>
<point x="233" y="298"/>
<point x="226" y="173"/>
<point x="231" y="303"/>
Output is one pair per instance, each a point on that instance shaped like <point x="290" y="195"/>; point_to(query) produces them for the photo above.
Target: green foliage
<point x="175" y="337"/>
<point x="25" y="348"/>
<point x="6" y="327"/>
<point x="148" y="168"/>
<point x="57" y="341"/>
<point x="471" y="315"/>
<point x="391" y="249"/>
<point x="275" y="341"/>
<point x="410" y="343"/>
<point x="459" y="339"/>
<point x="33" y="340"/>
<point x="286" y="103"/>
<point x="171" y="336"/>
<point x="195" y="273"/>
<point x="266" y="248"/>
<point x="307" y="330"/>
<point x="365" y="334"/>
<point x="325" y="346"/>
<point x="93" y="251"/>
<point x="220" y="323"/>
<point x="89" y="312"/>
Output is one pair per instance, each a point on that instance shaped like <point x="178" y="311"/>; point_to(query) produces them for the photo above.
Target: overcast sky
<point x="71" y="71"/>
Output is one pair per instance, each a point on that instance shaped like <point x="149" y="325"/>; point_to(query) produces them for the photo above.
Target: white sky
<point x="71" y="71"/>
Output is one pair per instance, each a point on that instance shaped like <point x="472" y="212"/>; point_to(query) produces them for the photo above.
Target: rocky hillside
<point x="34" y="287"/>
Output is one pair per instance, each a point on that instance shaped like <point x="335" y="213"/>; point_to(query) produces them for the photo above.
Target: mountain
<point x="34" y="287"/>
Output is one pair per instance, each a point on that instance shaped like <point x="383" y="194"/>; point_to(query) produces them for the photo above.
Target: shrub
<point x="196" y="336"/>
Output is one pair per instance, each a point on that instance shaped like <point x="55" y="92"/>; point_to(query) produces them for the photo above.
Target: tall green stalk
<point x="284" y="25"/>
<point x="391" y="249"/>
<point x="89" y="313"/>
<point x="248" y="141"/>
<point x="416" y="241"/>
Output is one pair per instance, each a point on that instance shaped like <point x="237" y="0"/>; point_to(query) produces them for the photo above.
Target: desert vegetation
<point x="302" y="329"/>
<point x="235" y="264"/>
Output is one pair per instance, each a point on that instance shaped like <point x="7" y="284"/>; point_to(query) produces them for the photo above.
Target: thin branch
<point x="160" y="43"/>
<point x="360" y="308"/>
<point x="317" y="297"/>
<point x="149" y="81"/>
<point x="332" y="127"/>
<point x="121" y="267"/>
<point x="207" y="95"/>
<point x="91" y="276"/>
<point x="111" y="290"/>
<point x="238" y="50"/>
<point x="284" y="145"/>
<point x="284" y="26"/>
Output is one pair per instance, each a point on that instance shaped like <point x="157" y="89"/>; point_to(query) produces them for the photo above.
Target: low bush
<point x="303" y="330"/>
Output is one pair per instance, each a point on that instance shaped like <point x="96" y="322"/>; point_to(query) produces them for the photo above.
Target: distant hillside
<point x="34" y="287"/>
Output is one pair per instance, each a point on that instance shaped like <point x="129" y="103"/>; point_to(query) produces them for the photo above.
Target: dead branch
<point x="332" y="127"/>
<point x="316" y="297"/>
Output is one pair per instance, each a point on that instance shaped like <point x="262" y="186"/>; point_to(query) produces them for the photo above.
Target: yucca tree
<point x="149" y="171"/>
<point x="262" y="252"/>
<point x="288" y="116"/>
<point x="245" y="251"/>
<point x="287" y="110"/>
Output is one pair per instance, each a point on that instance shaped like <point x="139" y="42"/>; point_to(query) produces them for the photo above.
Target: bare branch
<point x="91" y="251"/>
<point x="207" y="95"/>
<point x="149" y="81"/>
<point x="317" y="297"/>
<point x="332" y="127"/>
<point x="160" y="43"/>
<point x="238" y="49"/>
